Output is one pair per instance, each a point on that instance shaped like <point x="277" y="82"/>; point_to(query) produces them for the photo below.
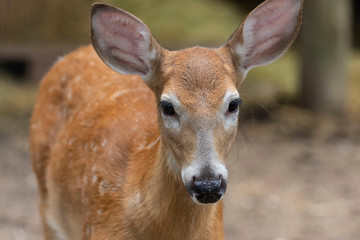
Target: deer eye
<point x="234" y="105"/>
<point x="167" y="108"/>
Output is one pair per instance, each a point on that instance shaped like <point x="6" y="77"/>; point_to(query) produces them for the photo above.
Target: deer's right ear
<point x="123" y="41"/>
<point x="266" y="33"/>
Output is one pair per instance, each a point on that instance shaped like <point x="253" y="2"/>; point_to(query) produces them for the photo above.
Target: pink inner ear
<point x="274" y="18"/>
<point x="123" y="39"/>
<point x="267" y="30"/>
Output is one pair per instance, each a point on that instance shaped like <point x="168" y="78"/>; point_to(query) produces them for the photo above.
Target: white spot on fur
<point x="122" y="92"/>
<point x="51" y="89"/>
<point x="142" y="146"/>
<point x="94" y="179"/>
<point x="134" y="201"/>
<point x="87" y="232"/>
<point x="69" y="94"/>
<point x="77" y="78"/>
<point x="94" y="149"/>
<point x="71" y="141"/>
<point x="149" y="145"/>
<point x="104" y="142"/>
<point x="36" y="125"/>
<point x="85" y="180"/>
<point x="103" y="187"/>
<point x="110" y="153"/>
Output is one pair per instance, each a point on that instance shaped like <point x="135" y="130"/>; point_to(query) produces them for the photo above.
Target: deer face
<point x="198" y="111"/>
<point x="196" y="88"/>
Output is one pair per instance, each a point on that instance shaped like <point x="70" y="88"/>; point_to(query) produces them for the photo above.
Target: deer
<point x="129" y="140"/>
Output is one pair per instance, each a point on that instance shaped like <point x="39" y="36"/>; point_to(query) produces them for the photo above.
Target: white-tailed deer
<point x="142" y="156"/>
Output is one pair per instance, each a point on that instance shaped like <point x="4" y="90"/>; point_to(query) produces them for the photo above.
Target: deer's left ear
<point x="266" y="33"/>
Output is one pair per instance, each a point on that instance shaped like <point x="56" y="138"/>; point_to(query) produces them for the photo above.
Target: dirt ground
<point x="294" y="176"/>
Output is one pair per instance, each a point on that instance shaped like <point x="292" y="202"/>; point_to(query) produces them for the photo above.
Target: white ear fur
<point x="266" y="34"/>
<point x="123" y="41"/>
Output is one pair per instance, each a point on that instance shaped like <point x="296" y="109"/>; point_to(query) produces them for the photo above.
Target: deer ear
<point x="123" y="41"/>
<point x="266" y="33"/>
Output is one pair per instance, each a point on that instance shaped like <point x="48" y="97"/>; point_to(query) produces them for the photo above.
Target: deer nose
<point x="208" y="190"/>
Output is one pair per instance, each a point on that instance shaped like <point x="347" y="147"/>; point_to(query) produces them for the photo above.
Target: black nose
<point x="208" y="190"/>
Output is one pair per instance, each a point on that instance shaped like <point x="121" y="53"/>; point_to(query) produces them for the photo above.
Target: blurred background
<point x="295" y="167"/>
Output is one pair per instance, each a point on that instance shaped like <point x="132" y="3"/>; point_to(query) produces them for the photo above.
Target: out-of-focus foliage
<point x="43" y="21"/>
<point x="353" y="90"/>
<point x="281" y="75"/>
<point x="19" y="106"/>
<point x="265" y="85"/>
<point x="173" y="22"/>
<point x="326" y="49"/>
<point x="243" y="4"/>
<point x="186" y="21"/>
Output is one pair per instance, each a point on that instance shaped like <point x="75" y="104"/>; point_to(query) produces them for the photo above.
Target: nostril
<point x="220" y="177"/>
<point x="192" y="183"/>
<point x="193" y="180"/>
<point x="207" y="186"/>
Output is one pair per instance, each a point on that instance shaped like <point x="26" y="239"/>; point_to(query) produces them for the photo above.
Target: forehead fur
<point x="199" y="77"/>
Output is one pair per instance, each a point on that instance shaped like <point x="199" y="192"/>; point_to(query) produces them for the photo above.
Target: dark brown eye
<point x="167" y="108"/>
<point x="234" y="105"/>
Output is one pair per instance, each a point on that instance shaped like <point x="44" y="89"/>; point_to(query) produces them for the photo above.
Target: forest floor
<point x="294" y="176"/>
